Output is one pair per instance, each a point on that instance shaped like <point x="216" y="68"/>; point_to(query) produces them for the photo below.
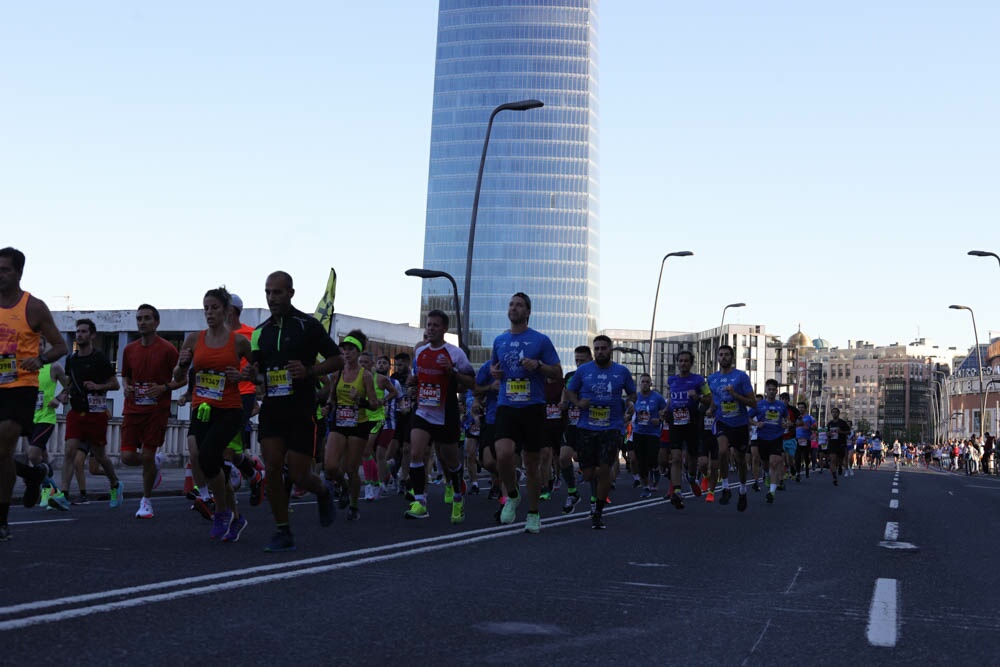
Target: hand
<point x="531" y="364"/>
<point x="583" y="404"/>
<point x="496" y="371"/>
<point x="129" y="390"/>
<point x="250" y="372"/>
<point x="184" y="357"/>
<point x="232" y="374"/>
<point x="692" y="393"/>
<point x="31" y="365"/>
<point x="91" y="386"/>
<point x="54" y="403"/>
<point x="182" y="400"/>
<point x="297" y="370"/>
<point x="156" y="391"/>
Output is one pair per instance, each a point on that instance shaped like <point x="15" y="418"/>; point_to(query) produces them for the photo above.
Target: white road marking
<point x="31" y="523"/>
<point x="894" y="504"/>
<point x="650" y="564"/>
<point x="757" y="643"/>
<point x="891" y="531"/>
<point x="896" y="491"/>
<point x="789" y="589"/>
<point x="883" y="629"/>
<point x="899" y="546"/>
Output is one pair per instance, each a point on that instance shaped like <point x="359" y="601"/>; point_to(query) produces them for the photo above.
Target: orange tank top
<point x="17" y="343"/>
<point x="210" y="364"/>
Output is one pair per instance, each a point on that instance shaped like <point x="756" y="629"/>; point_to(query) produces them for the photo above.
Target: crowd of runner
<point x="343" y="426"/>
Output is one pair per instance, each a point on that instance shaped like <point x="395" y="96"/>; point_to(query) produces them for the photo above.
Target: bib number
<point x="39" y="400"/>
<point x="97" y="403"/>
<point x="209" y="385"/>
<point x="347" y="416"/>
<point x="518" y="391"/>
<point x="552" y="411"/>
<point x="772" y="417"/>
<point x="730" y="408"/>
<point x="429" y="395"/>
<point x="141" y="397"/>
<point x="279" y="383"/>
<point x="573" y="416"/>
<point x="599" y="416"/>
<point x="8" y="368"/>
<point x="681" y="417"/>
<point x="709" y="423"/>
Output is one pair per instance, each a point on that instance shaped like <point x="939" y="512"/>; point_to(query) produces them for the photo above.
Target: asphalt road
<point x="819" y="577"/>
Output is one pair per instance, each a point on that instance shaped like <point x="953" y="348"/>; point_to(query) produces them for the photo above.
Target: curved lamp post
<point x="522" y="105"/>
<point x="431" y="273"/>
<point x="631" y="350"/>
<point x="656" y="299"/>
<point x="718" y="343"/>
<point x="979" y="354"/>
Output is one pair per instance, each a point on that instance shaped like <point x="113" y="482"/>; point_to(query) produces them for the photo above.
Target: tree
<point x="863" y="426"/>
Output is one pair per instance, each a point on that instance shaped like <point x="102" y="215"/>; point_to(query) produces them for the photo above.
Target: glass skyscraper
<point x="537" y="228"/>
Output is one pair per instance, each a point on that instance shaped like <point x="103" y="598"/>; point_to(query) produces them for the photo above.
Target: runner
<point x="555" y="426"/>
<point x="49" y="377"/>
<point x="441" y="371"/>
<point x="91" y="377"/>
<point x="238" y="451"/>
<point x="876" y="454"/>
<point x="213" y="356"/>
<point x="771" y="416"/>
<point x="397" y="455"/>
<point x="353" y="393"/>
<point x="649" y="407"/>
<point x="837" y="430"/>
<point x="687" y="391"/>
<point x="732" y="394"/>
<point x="385" y="393"/>
<point x="521" y="360"/>
<point x="24" y="320"/>
<point x="284" y="348"/>
<point x="568" y="451"/>
<point x="597" y="388"/>
<point x="147" y="370"/>
<point x="486" y="399"/>
<point x="804" y="427"/>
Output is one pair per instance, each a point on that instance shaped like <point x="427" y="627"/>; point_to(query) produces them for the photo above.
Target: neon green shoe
<point x="46" y="494"/>
<point x="449" y="494"/>
<point x="545" y="496"/>
<point x="533" y="523"/>
<point x="417" y="511"/>
<point x="458" y="511"/>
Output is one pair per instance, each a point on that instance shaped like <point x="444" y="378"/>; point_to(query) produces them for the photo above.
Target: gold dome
<point x="799" y="339"/>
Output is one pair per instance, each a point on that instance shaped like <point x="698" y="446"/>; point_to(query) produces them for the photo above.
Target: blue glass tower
<point x="537" y="228"/>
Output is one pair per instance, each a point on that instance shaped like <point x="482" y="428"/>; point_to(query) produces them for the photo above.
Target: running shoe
<point x="417" y="511"/>
<point x="235" y="528"/>
<point x="494" y="493"/>
<point x="327" y="508"/>
<point x="770" y="497"/>
<point x="117" y="494"/>
<point x="741" y="504"/>
<point x="645" y="493"/>
<point x="458" y="511"/>
<point x="192" y="494"/>
<point x="82" y="499"/>
<point x="203" y="508"/>
<point x="449" y="494"/>
<point x="677" y="501"/>
<point x="281" y="541"/>
<point x="509" y="512"/>
<point x="546" y="495"/>
<point x="4" y="532"/>
<point x="145" y="510"/>
<point x="33" y="486"/>
<point x="46" y="494"/>
<point x="756" y="486"/>
<point x="59" y="501"/>
<point x="353" y="514"/>
<point x="533" y="523"/>
<point x="571" y="500"/>
<point x="158" y="462"/>
<point x="636" y="482"/>
<point x="256" y="487"/>
<point x="597" y="522"/>
<point x="220" y="524"/>
<point x="709" y="497"/>
<point x="727" y="495"/>
<point x="781" y="485"/>
<point x="474" y="489"/>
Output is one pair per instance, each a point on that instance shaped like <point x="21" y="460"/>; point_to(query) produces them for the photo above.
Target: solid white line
<point x="322" y="564"/>
<point x="894" y="504"/>
<point x="757" y="643"/>
<point x="788" y="590"/>
<point x="31" y="523"/>
<point x="891" y="531"/>
<point x="882" y="618"/>
<point x="895" y="490"/>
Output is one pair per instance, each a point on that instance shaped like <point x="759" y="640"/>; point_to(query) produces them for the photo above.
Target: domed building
<point x="821" y="344"/>
<point x="798" y="340"/>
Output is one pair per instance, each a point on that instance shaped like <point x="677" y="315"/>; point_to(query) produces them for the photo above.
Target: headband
<point x="355" y="342"/>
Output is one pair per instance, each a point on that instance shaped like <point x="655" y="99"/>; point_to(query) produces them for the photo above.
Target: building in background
<point x="537" y="228"/>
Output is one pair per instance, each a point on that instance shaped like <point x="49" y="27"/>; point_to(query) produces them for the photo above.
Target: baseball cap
<point x="236" y="301"/>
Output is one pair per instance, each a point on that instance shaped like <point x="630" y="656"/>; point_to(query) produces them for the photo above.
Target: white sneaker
<point x="145" y="509"/>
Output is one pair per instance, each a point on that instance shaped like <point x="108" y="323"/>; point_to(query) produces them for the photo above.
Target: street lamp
<point x="656" y="299"/>
<point x="431" y="273"/>
<point x="979" y="353"/>
<point x="985" y="253"/>
<point x="631" y="350"/>
<point x="719" y="343"/>
<point x="523" y="105"/>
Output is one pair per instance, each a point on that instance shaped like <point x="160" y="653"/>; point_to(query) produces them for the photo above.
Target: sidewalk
<point x="97" y="485"/>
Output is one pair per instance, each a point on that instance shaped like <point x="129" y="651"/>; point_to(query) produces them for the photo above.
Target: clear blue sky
<point x="828" y="163"/>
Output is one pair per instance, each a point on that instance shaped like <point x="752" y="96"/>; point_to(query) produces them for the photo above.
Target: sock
<point x="593" y="488"/>
<point x="202" y="493"/>
<point x="418" y="478"/>
<point x="725" y="483"/>
<point x="774" y="487"/>
<point x="743" y="488"/>
<point x="145" y="499"/>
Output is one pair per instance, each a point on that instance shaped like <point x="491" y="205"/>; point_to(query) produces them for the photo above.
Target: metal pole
<point x="656" y="300"/>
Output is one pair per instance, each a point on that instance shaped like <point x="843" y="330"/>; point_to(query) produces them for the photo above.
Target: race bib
<point x="140" y="390"/>
<point x="404" y="404"/>
<point x="39" y="400"/>
<point x="474" y="429"/>
<point x="573" y="416"/>
<point x="599" y="416"/>
<point x="210" y="385"/>
<point x="730" y="408"/>
<point x="518" y="391"/>
<point x="347" y="416"/>
<point x="552" y="411"/>
<point x="772" y="417"/>
<point x="429" y="395"/>
<point x="681" y="417"/>
<point x="642" y="418"/>
<point x="822" y="439"/>
<point x="753" y="432"/>
<point x="97" y="403"/>
<point x="709" y="423"/>
<point x="8" y="368"/>
<point x="279" y="383"/>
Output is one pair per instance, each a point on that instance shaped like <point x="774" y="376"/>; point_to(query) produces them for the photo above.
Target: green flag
<point x="324" y="311"/>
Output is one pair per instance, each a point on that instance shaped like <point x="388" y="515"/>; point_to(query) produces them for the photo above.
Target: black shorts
<point x="686" y="436"/>
<point x="737" y="436"/>
<point x="596" y="448"/>
<point x="768" y="448"/>
<point x="553" y="435"/>
<point x="486" y="440"/>
<point x="837" y="450"/>
<point x="17" y="404"/>
<point x="296" y="427"/>
<point x="647" y="449"/>
<point x="524" y="426"/>
<point x="361" y="430"/>
<point x="442" y="434"/>
<point x="40" y="434"/>
<point x="403" y="426"/>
